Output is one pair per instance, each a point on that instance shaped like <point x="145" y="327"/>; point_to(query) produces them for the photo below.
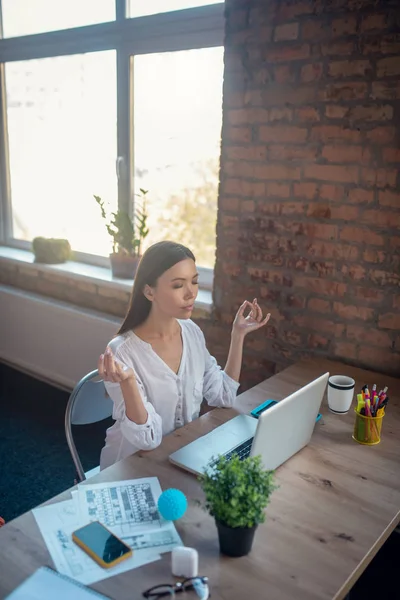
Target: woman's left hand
<point x="253" y="321"/>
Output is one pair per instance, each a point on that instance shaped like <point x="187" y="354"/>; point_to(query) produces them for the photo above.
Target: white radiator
<point x="49" y="339"/>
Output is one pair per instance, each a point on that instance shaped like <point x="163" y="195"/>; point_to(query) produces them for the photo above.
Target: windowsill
<point x="100" y="276"/>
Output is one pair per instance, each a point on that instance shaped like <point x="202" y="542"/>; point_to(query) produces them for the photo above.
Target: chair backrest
<point x="88" y="403"/>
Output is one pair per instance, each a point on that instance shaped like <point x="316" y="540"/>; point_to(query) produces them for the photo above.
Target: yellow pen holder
<point x="367" y="430"/>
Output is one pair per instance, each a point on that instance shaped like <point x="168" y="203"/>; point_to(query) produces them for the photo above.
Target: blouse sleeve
<point x="146" y="436"/>
<point x="218" y="388"/>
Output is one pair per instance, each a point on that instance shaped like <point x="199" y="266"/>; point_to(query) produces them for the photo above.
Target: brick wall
<point x="309" y="209"/>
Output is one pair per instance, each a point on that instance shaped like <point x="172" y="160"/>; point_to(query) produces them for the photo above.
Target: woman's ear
<point x="148" y="292"/>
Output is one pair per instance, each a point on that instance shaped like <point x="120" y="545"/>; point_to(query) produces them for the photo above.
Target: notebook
<point x="47" y="584"/>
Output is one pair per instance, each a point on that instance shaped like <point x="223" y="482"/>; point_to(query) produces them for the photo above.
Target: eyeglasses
<point x="197" y="584"/>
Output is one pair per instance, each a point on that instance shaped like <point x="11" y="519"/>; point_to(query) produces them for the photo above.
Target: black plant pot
<point x="235" y="541"/>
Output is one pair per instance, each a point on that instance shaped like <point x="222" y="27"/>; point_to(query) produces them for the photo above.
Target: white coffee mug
<point x="340" y="393"/>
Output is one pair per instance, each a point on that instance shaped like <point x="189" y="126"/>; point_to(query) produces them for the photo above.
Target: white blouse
<point x="171" y="399"/>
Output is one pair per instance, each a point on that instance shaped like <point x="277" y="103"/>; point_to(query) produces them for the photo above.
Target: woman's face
<point x="176" y="290"/>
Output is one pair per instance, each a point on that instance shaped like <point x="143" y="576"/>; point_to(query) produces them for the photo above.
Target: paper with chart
<point x="56" y="523"/>
<point x="129" y="509"/>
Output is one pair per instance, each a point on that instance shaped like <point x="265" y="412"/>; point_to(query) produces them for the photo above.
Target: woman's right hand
<point x="110" y="370"/>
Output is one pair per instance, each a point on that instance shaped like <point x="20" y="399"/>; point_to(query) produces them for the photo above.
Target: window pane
<point x="177" y="138"/>
<point x="139" y="8"/>
<point x="24" y="17"/>
<point x="63" y="145"/>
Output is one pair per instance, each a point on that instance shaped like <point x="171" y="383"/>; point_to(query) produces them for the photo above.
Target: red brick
<point x="325" y="287"/>
<point x="380" y="218"/>
<point x="243" y="116"/>
<point x="245" y="152"/>
<point x="319" y="305"/>
<point x="287" y="31"/>
<point x="344" y="212"/>
<point x="390" y="199"/>
<point x="305" y="190"/>
<point x="319" y="210"/>
<point x="289" y="9"/>
<point x="381" y="135"/>
<point x="359" y="235"/>
<point x="384" y="360"/>
<point x="350" y="311"/>
<point x="345" y="350"/>
<point x="315" y="230"/>
<point x="332" y="173"/>
<point x="278" y="152"/>
<point x="371" y="113"/>
<point x="335" y="111"/>
<point x="315" y="340"/>
<point x="396" y="301"/>
<point x="354" y="272"/>
<point x="384" y="278"/>
<point x="334" y="250"/>
<point x="314" y="30"/>
<point x="373" y="21"/>
<point x="239" y="187"/>
<point x="360" y="196"/>
<point x="237" y="134"/>
<point x="374" y="256"/>
<point x="385" y="90"/>
<point x="328" y="133"/>
<point x="229" y="221"/>
<point x="307" y="114"/>
<point x="347" y="154"/>
<point x="315" y="323"/>
<point x="239" y="169"/>
<point x="287" y="53"/>
<point x="344" y="26"/>
<point x="311" y="72"/>
<point x="282" y="208"/>
<point x="368" y="336"/>
<point x="276" y="171"/>
<point x="379" y="177"/>
<point x="269" y="276"/>
<point x="281" y="190"/>
<point x="247" y="205"/>
<point x="335" y="193"/>
<point x="349" y="68"/>
<point x="229" y="204"/>
<point x="388" y="67"/>
<point x="336" y="92"/>
<point x="284" y="73"/>
<point x="391" y="155"/>
<point x="283" y="134"/>
<point x="368" y="295"/>
<point x="280" y="114"/>
<point x="338" y="48"/>
<point x="389" y="321"/>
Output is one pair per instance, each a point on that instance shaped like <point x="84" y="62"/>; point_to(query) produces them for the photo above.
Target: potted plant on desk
<point x="237" y="492"/>
<point x="127" y="236"/>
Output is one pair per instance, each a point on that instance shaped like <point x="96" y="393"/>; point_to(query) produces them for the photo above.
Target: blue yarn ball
<point x="172" y="504"/>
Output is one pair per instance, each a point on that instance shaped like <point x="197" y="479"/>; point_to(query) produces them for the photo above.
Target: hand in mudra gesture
<point x="252" y="321"/>
<point x="110" y="370"/>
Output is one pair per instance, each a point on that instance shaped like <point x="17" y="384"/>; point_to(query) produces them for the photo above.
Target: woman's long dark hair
<point x="155" y="261"/>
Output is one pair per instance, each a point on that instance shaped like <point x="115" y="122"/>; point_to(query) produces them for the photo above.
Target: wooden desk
<point x="337" y="503"/>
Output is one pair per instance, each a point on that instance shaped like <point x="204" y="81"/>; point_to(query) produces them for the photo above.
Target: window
<point x="62" y="146"/>
<point x="103" y="103"/>
<point x="177" y="136"/>
<point x="139" y="8"/>
<point x="24" y="17"/>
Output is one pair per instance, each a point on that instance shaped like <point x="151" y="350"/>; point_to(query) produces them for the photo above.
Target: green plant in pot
<point x="236" y="494"/>
<point x="127" y="236"/>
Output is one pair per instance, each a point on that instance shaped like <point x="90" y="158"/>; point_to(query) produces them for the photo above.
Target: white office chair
<point x="87" y="404"/>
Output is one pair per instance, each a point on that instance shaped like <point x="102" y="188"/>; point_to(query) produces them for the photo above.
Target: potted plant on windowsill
<point x="127" y="236"/>
<point x="236" y="494"/>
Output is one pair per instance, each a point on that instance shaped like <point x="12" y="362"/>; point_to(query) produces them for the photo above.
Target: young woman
<point x="158" y="369"/>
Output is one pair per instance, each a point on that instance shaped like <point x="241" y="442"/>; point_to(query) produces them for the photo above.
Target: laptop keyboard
<point x="242" y="451"/>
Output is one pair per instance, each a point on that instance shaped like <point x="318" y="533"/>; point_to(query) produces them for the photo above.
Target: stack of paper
<point x="127" y="508"/>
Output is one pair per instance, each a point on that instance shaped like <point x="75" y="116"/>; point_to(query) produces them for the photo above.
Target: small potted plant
<point x="236" y="494"/>
<point x="127" y="236"/>
<point x="51" y="250"/>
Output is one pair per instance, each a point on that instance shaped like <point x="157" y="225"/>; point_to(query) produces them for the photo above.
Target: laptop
<point x="276" y="435"/>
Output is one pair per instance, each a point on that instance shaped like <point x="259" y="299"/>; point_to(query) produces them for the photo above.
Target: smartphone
<point x="101" y="545"/>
